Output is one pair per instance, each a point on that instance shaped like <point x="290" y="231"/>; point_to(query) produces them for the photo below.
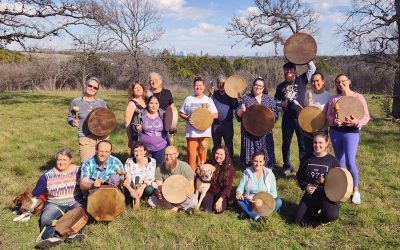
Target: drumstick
<point x="337" y="109"/>
<point x="309" y="98"/>
<point x="76" y="111"/>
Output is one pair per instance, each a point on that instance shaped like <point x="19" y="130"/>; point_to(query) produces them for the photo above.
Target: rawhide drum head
<point x="258" y="120"/>
<point x="235" y="86"/>
<point x="312" y="119"/>
<point x="101" y="121"/>
<point x="202" y="119"/>
<point x="263" y="204"/>
<point x="175" y="188"/>
<point x="348" y="106"/>
<point x="300" y="48"/>
<point x="338" y="184"/>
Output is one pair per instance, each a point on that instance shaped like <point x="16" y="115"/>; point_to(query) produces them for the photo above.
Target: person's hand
<point x="337" y="122"/>
<point x="140" y="191"/>
<point x="75" y="123"/>
<point x="190" y="121"/>
<point x="310" y="188"/>
<point x="218" y="205"/>
<point x="138" y="127"/>
<point x="97" y="183"/>
<point x="134" y="194"/>
<point x="243" y="108"/>
<point x="285" y="103"/>
<point x="126" y="183"/>
<point x="239" y="196"/>
<point x="352" y="121"/>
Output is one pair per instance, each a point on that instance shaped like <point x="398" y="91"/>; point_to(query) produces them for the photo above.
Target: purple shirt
<point x="153" y="133"/>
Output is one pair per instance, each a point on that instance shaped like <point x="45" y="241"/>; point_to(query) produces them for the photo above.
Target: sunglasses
<point x="93" y="87"/>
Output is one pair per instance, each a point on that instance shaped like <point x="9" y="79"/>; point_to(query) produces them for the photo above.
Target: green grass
<point x="34" y="128"/>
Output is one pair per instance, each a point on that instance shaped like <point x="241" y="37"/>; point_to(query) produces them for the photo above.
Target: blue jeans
<point x="158" y="156"/>
<point x="52" y="212"/>
<point x="289" y="126"/>
<point x="246" y="207"/>
<point x="224" y="130"/>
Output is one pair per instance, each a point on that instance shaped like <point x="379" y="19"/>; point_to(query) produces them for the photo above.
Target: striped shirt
<point x="90" y="169"/>
<point x="60" y="188"/>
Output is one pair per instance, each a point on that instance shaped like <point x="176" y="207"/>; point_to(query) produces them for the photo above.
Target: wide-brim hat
<point x="175" y="188"/>
<point x="263" y="204"/>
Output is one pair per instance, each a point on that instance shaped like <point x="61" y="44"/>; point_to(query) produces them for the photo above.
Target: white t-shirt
<point x="192" y="103"/>
<point x="319" y="99"/>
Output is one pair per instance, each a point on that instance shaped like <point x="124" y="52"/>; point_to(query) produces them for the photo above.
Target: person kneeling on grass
<point x="315" y="205"/>
<point x="140" y="170"/>
<point x="61" y="188"/>
<point x="101" y="168"/>
<point x="256" y="178"/>
<point x="173" y="166"/>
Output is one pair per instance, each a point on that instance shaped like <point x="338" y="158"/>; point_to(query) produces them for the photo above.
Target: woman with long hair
<point x="137" y="102"/>
<point x="216" y="198"/>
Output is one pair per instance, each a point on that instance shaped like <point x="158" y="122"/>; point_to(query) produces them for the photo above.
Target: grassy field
<point x="34" y="128"/>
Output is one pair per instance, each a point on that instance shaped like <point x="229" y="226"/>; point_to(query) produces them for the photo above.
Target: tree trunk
<point x="396" y="87"/>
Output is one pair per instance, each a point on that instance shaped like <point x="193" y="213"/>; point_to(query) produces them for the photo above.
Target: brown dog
<point x="203" y="181"/>
<point x="27" y="205"/>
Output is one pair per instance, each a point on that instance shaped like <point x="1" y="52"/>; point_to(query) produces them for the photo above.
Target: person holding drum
<point x="222" y="127"/>
<point x="61" y="188"/>
<point x="164" y="95"/>
<point x="137" y="102"/>
<point x="151" y="129"/>
<point x="319" y="97"/>
<point x="345" y="133"/>
<point x="217" y="196"/>
<point x="256" y="178"/>
<point x="79" y="109"/>
<point x="251" y="143"/>
<point x="197" y="140"/>
<point x="290" y="95"/>
<point x="140" y="170"/>
<point x="173" y="166"/>
<point x="310" y="178"/>
<point x="101" y="168"/>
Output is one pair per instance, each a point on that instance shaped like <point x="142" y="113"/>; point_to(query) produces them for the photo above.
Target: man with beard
<point x="290" y="95"/>
<point x="173" y="166"/>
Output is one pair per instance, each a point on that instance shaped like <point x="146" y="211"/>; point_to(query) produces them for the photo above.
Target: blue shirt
<point x="225" y="105"/>
<point x="90" y="169"/>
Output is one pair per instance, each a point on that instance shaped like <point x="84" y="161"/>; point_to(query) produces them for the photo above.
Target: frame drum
<point x="312" y="119"/>
<point x="235" y="86"/>
<point x="348" y="106"/>
<point x="71" y="222"/>
<point x="202" y="119"/>
<point x="174" y="189"/>
<point x="106" y="203"/>
<point x="171" y="118"/>
<point x="258" y="120"/>
<point x="300" y="48"/>
<point x="338" y="184"/>
<point x="101" y="121"/>
<point x="263" y="204"/>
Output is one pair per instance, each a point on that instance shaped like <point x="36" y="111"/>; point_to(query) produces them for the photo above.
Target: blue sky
<point x="193" y="26"/>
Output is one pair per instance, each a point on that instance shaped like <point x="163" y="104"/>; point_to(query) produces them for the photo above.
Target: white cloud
<point x="326" y="5"/>
<point x="178" y="9"/>
<point x="207" y="29"/>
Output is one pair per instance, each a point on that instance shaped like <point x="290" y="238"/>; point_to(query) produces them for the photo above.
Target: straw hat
<point x="174" y="189"/>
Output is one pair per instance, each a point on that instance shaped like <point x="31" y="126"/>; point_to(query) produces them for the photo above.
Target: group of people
<point x="153" y="159"/>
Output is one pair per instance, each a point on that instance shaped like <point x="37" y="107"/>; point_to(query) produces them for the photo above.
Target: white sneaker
<point x="356" y="198"/>
<point x="287" y="172"/>
<point x="48" y="243"/>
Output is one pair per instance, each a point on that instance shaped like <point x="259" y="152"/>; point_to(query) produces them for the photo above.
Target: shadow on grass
<point x="288" y="210"/>
<point x="49" y="165"/>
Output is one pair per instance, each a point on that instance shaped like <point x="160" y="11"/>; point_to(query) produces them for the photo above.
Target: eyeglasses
<point x="172" y="154"/>
<point x="93" y="87"/>
<point x="258" y="86"/>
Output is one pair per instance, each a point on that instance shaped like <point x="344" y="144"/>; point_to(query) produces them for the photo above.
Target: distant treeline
<point x="51" y="71"/>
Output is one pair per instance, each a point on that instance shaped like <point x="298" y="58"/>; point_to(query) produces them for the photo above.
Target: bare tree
<point x="134" y="24"/>
<point x="372" y="28"/>
<point x="36" y="19"/>
<point x="271" y="20"/>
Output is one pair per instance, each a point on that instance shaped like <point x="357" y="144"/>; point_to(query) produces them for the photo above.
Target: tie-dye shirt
<point x="60" y="188"/>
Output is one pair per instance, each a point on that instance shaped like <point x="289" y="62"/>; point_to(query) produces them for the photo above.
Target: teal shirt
<point x="257" y="185"/>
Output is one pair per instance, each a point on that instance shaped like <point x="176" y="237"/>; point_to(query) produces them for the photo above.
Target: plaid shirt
<point x="90" y="169"/>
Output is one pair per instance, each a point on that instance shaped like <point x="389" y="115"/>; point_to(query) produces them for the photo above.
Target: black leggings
<point x="311" y="203"/>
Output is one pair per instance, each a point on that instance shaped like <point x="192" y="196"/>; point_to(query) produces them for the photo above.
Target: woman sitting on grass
<point x="216" y="198"/>
<point x="140" y="171"/>
<point x="315" y="205"/>
<point x="256" y="178"/>
<point x="61" y="188"/>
